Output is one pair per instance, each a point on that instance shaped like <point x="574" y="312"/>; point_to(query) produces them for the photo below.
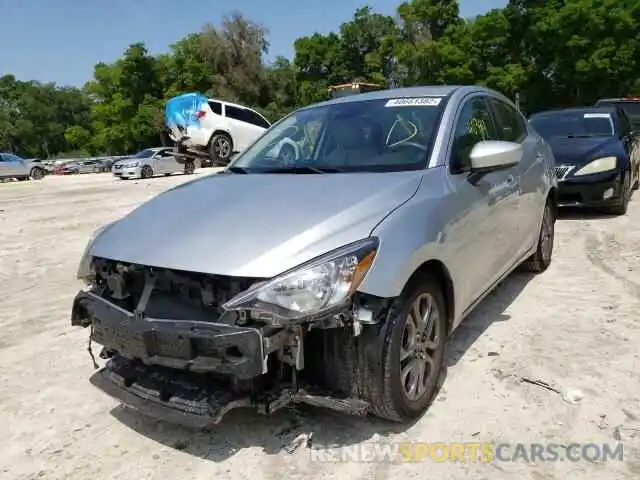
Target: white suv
<point x="221" y="128"/>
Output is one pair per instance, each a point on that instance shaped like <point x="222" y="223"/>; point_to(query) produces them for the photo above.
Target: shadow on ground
<point x="574" y="213"/>
<point x="243" y="429"/>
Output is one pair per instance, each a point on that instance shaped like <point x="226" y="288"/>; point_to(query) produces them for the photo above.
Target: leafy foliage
<point x="551" y="53"/>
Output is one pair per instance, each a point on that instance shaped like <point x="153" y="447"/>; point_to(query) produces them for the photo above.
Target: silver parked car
<point x="13" y="166"/>
<point x="333" y="279"/>
<point x="150" y="162"/>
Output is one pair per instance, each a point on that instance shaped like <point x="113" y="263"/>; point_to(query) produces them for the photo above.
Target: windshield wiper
<point x="237" y="170"/>
<point x="580" y="136"/>
<point x="303" y="169"/>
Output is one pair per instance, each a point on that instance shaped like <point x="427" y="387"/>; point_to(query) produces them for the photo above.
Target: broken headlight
<point x="313" y="287"/>
<point x="85" y="269"/>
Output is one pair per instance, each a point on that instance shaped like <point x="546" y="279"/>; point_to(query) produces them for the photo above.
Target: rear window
<point x="216" y="107"/>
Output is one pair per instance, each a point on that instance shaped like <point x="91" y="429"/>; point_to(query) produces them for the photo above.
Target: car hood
<point x="579" y="151"/>
<point x="255" y="225"/>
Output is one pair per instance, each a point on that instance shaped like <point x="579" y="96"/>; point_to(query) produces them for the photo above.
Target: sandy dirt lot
<point x="574" y="327"/>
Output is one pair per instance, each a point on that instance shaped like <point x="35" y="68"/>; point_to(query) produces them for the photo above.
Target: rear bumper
<point x="196" y="346"/>
<point x="599" y="190"/>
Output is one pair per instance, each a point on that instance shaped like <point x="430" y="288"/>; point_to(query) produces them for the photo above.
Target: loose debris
<point x="569" y="394"/>
<point x="301" y="441"/>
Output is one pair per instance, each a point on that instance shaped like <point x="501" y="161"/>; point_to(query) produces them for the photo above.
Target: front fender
<point x="409" y="237"/>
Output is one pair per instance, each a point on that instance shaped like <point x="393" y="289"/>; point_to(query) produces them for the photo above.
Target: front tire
<point x="541" y="259"/>
<point x="621" y="206"/>
<point x="147" y="172"/>
<point x="189" y="168"/>
<point x="411" y="353"/>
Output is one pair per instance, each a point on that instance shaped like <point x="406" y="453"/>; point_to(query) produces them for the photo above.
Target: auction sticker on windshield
<point x="414" y="102"/>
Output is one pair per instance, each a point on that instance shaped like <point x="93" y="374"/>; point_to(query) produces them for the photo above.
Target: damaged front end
<point x="188" y="347"/>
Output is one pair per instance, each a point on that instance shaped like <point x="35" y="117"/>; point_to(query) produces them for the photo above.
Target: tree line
<point x="548" y="52"/>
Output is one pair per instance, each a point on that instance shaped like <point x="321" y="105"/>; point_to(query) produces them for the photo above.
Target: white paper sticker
<point x="597" y="115"/>
<point x="414" y="102"/>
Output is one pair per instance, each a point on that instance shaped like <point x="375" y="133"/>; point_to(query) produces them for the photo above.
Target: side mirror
<point x="490" y="155"/>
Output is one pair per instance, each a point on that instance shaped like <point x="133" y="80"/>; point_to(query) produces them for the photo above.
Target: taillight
<point x="201" y="113"/>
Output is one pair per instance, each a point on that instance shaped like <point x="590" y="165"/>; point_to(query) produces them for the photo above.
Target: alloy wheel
<point x="421" y="337"/>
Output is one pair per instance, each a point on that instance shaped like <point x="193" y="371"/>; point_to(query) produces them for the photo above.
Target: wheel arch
<point x="438" y="270"/>
<point x="221" y="131"/>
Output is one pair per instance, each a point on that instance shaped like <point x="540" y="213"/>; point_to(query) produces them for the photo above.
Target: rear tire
<point x="220" y="148"/>
<point x="541" y="259"/>
<point x="147" y="172"/>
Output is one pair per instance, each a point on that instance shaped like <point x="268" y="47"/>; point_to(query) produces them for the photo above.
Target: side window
<point x="234" y="113"/>
<point x="255" y="119"/>
<point x="625" y="124"/>
<point x="216" y="107"/>
<point x="10" y="157"/>
<point x="473" y="125"/>
<point x="511" y="126"/>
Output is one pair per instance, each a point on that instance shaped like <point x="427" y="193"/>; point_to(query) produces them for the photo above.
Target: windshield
<point x="371" y="135"/>
<point x="574" y="124"/>
<point x="144" y="153"/>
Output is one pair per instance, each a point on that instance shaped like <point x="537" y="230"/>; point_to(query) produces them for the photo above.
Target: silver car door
<point x="163" y="162"/>
<point x="527" y="198"/>
<point x="481" y="229"/>
<point x="15" y="165"/>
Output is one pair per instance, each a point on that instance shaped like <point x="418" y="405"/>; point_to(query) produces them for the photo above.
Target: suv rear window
<point x="216" y="107"/>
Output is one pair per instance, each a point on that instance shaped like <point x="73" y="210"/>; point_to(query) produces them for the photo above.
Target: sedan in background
<point x="597" y="157"/>
<point x="150" y="162"/>
<point x="13" y="166"/>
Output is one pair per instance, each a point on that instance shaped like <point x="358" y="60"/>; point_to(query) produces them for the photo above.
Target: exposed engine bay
<point x="173" y="351"/>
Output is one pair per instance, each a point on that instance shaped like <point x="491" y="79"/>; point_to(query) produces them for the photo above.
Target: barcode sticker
<point x="414" y="102"/>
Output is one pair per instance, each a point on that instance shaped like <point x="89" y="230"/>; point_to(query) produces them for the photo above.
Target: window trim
<point x="523" y="122"/>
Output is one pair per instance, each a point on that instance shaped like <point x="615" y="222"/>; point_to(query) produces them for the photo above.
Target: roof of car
<point x="237" y="105"/>
<point x="620" y="100"/>
<point x="559" y="111"/>
<point x="405" y="92"/>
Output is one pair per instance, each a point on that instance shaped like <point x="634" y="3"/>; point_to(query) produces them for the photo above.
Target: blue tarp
<point x="181" y="111"/>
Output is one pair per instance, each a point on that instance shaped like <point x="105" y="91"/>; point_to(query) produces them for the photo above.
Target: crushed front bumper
<point x="192" y="372"/>
<point x="196" y="346"/>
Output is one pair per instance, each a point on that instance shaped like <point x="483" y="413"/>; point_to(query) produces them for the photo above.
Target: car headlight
<point x="313" y="287"/>
<point x="598" y="165"/>
<point x="86" y="272"/>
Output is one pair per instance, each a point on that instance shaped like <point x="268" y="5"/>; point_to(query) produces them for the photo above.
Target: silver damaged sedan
<point x="332" y="277"/>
